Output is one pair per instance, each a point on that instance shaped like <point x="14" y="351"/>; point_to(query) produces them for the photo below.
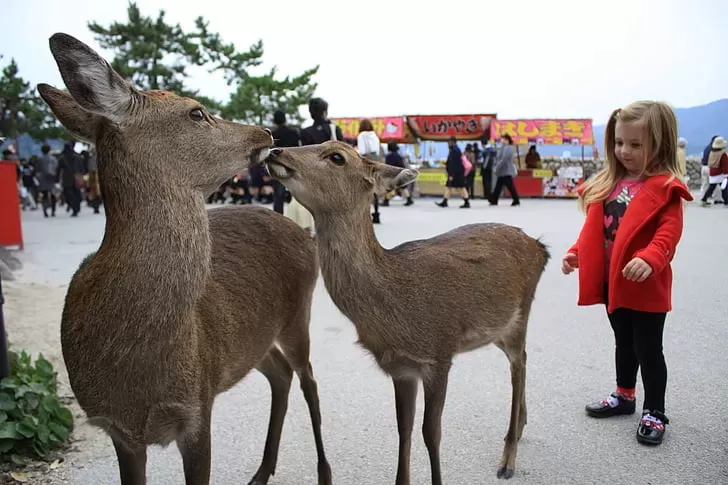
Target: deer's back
<point x="452" y="292"/>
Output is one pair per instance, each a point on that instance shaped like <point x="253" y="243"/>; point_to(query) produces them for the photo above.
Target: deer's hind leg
<point x="279" y="373"/>
<point x="296" y="345"/>
<point x="514" y="348"/>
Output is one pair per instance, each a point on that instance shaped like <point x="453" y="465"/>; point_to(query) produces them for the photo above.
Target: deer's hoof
<point x="324" y="474"/>
<point x="505" y="473"/>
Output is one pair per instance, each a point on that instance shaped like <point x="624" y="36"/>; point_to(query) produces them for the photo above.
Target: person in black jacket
<point x="455" y="175"/>
<point x="320" y="130"/>
<point x="284" y="136"/>
<point x="70" y="168"/>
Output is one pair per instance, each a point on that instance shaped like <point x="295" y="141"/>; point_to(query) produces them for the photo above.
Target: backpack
<point x="466" y="164"/>
<point x="714" y="159"/>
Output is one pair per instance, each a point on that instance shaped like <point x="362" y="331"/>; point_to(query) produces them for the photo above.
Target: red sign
<point x="387" y="128"/>
<point x="544" y="132"/>
<point x="442" y="127"/>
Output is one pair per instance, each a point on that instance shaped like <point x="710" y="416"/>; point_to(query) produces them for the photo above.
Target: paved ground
<point x="570" y="363"/>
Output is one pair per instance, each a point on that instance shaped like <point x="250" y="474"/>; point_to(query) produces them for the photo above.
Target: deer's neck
<point x="156" y="248"/>
<point x="352" y="260"/>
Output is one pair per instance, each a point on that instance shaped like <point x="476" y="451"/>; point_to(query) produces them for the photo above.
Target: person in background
<point x="320" y="131"/>
<point x="394" y="159"/>
<point x="533" y="158"/>
<point x="369" y="146"/>
<point x="47" y="173"/>
<point x="486" y="168"/>
<point x="322" y="128"/>
<point x="94" y="188"/>
<point x="283" y="136"/>
<point x="704" y="170"/>
<point x="455" y="175"/>
<point x="470" y="177"/>
<point x="505" y="170"/>
<point x="70" y="166"/>
<point x="718" y="166"/>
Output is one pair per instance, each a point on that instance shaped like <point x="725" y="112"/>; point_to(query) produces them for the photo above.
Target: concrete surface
<point x="570" y="363"/>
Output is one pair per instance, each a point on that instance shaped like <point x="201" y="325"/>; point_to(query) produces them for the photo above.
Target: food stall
<point x="561" y="183"/>
<point x="439" y="128"/>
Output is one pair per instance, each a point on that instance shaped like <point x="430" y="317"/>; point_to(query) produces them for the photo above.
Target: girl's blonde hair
<point x="660" y="129"/>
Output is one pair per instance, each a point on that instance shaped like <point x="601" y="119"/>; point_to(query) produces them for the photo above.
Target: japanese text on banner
<point x="545" y="132"/>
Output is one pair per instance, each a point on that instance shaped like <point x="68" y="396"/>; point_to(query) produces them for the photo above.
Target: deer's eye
<point x="337" y="158"/>
<point x="197" y="115"/>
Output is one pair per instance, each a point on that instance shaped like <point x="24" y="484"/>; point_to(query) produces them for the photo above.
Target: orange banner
<point x="544" y="132"/>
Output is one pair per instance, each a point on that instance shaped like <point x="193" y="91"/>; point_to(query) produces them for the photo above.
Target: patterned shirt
<point x="615" y="206"/>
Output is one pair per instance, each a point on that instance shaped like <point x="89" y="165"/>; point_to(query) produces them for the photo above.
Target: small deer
<point x="178" y="304"/>
<point x="412" y="330"/>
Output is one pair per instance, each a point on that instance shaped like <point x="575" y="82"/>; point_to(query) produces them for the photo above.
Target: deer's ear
<point x="387" y="178"/>
<point x="92" y="82"/>
<point x="79" y="122"/>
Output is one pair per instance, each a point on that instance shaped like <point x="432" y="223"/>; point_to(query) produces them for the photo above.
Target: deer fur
<point x="178" y="304"/>
<point x="417" y="305"/>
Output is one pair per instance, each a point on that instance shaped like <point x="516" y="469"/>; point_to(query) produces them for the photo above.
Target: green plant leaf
<point x="7" y="403"/>
<point x="39" y="388"/>
<point x="43" y="433"/>
<point x="3" y="416"/>
<point x="9" y="430"/>
<point x="27" y="427"/>
<point x="64" y="416"/>
<point x="60" y="431"/>
<point x="44" y="367"/>
<point x="10" y="382"/>
<point x="51" y="404"/>
<point x="31" y="401"/>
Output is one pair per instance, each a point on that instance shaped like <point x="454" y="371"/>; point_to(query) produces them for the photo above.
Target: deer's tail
<point x="545" y="252"/>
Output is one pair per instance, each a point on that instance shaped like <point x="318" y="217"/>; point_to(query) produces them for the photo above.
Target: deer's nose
<point x="274" y="152"/>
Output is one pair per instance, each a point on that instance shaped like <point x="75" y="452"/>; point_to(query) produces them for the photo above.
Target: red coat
<point x="650" y="229"/>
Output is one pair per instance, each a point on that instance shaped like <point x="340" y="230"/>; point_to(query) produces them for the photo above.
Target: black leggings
<point x="638" y="344"/>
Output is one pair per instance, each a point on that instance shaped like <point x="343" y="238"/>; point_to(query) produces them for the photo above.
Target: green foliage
<point x="32" y="420"/>
<point x="22" y="110"/>
<point x="154" y="54"/>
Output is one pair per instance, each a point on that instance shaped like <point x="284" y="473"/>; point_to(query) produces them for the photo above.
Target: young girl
<point x="634" y="220"/>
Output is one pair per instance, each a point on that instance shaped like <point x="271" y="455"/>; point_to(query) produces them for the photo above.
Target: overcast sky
<point x="525" y="58"/>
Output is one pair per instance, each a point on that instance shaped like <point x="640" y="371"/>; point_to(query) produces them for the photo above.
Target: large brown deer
<point x="412" y="329"/>
<point x="178" y="304"/>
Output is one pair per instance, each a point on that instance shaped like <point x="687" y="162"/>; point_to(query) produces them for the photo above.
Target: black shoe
<point x="384" y="203"/>
<point x="466" y="204"/>
<point x="613" y="405"/>
<point x="651" y="429"/>
<point x="514" y="204"/>
<point x="375" y="218"/>
<point x="409" y="202"/>
<point x="442" y="204"/>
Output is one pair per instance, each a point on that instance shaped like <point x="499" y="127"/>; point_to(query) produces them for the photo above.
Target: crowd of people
<point x="65" y="178"/>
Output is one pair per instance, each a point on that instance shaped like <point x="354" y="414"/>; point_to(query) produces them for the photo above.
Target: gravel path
<point x="570" y="363"/>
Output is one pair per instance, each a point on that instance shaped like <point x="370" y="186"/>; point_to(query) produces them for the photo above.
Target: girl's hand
<point x="569" y="263"/>
<point x="637" y="270"/>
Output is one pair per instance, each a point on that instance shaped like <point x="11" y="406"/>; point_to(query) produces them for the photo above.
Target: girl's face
<point x="629" y="147"/>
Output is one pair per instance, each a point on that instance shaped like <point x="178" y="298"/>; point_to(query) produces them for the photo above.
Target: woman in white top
<point x="369" y="146"/>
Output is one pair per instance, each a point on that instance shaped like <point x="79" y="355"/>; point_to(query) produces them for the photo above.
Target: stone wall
<point x="592" y="166"/>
